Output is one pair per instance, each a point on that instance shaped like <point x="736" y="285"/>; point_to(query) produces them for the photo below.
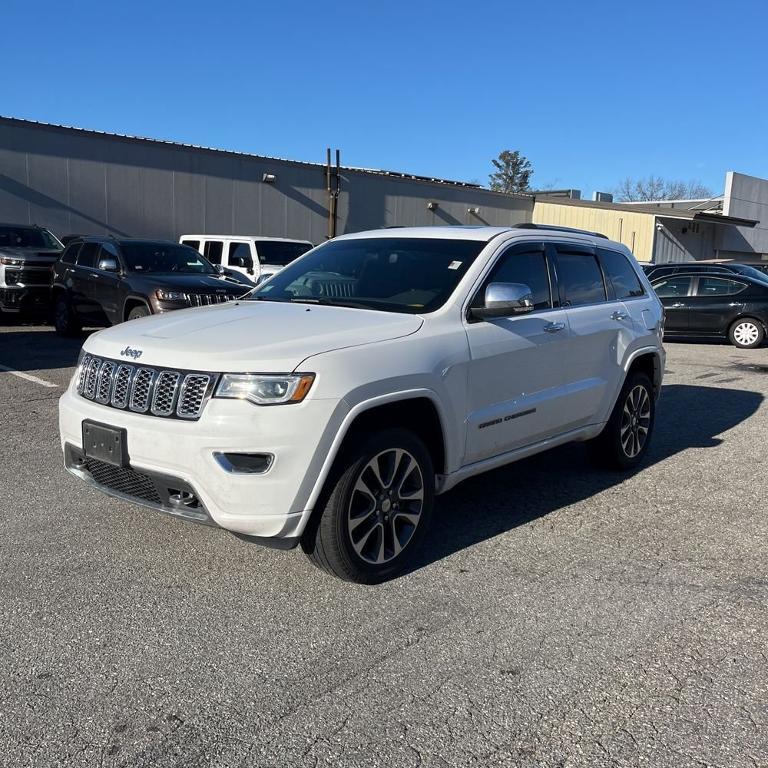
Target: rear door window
<point x="670" y="287"/>
<point x="620" y="274"/>
<point x="718" y="286"/>
<point x="192" y="244"/>
<point x="88" y="255"/>
<point x="213" y="250"/>
<point x="579" y="278"/>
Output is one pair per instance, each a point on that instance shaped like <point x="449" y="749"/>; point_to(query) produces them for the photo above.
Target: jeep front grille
<point x="144" y="389"/>
<point x="206" y="299"/>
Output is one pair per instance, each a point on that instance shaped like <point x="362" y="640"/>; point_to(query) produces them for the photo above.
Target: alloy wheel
<point x="385" y="506"/>
<point x="746" y="333"/>
<point x="635" y="421"/>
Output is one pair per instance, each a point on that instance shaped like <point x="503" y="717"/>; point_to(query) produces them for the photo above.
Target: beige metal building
<point x="660" y="232"/>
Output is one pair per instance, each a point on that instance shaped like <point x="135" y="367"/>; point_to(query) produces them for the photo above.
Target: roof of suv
<point x="121" y="240"/>
<point x="481" y="233"/>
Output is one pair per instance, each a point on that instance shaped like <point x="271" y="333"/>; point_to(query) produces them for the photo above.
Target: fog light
<point x="245" y="463"/>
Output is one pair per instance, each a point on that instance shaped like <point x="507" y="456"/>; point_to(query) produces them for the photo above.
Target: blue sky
<point x="590" y="91"/>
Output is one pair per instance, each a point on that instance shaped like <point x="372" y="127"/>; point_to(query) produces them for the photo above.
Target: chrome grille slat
<point x="89" y="385"/>
<point x="192" y="395"/>
<point x="121" y="386"/>
<point x="164" y="397"/>
<point x="84" y="363"/>
<point x="141" y="390"/>
<point x="104" y="382"/>
<point x="147" y="390"/>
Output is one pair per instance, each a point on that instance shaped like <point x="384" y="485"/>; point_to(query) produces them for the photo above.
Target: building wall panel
<point x="88" y="183"/>
<point x="635" y="230"/>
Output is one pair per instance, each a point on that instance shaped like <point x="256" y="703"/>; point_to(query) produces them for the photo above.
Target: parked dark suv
<point x="26" y="256"/>
<point x="105" y="281"/>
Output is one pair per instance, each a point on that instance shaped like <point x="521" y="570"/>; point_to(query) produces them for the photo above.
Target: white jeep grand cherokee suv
<point x="396" y="364"/>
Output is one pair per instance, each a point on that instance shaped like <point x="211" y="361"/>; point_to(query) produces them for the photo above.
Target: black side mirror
<point x="504" y="300"/>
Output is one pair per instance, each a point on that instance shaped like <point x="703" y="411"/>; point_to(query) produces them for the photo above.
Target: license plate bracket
<point x="105" y="443"/>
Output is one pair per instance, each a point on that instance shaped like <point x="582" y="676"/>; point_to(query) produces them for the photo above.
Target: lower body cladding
<point x="249" y="469"/>
<point x="25" y="299"/>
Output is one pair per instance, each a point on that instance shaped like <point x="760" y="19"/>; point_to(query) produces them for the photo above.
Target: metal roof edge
<point x="305" y="163"/>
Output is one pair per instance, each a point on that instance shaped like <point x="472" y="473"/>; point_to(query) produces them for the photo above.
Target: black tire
<point x="746" y="333"/>
<point x="65" y="320"/>
<point x="347" y="517"/>
<point x="624" y="441"/>
<point x="138" y="311"/>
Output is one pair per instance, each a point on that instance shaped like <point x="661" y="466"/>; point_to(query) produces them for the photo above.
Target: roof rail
<point x="553" y="228"/>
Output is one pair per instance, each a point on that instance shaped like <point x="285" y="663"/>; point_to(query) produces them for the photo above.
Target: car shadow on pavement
<point x="38" y="348"/>
<point x="498" y="501"/>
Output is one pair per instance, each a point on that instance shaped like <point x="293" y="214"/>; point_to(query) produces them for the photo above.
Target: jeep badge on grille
<point x="134" y="353"/>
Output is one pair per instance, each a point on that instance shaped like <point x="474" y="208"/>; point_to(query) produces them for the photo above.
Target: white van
<point x="256" y="257"/>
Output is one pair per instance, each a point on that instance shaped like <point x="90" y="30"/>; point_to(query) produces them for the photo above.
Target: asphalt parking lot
<point x="560" y="616"/>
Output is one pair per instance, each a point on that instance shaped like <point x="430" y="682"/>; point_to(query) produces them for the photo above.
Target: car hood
<point x="248" y="336"/>
<point x="179" y="282"/>
<point x="31" y="255"/>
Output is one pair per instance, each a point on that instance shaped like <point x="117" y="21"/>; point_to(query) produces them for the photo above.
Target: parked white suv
<point x="256" y="257"/>
<point x="397" y="363"/>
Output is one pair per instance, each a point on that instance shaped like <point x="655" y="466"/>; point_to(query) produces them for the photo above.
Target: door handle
<point x="619" y="316"/>
<point x="554" y="327"/>
<point x="677" y="305"/>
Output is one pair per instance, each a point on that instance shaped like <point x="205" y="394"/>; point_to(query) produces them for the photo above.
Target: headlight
<point x="265" y="389"/>
<point x="171" y="295"/>
<point x="9" y="262"/>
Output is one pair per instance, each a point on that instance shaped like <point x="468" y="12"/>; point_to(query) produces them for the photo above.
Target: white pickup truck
<point x="397" y="363"/>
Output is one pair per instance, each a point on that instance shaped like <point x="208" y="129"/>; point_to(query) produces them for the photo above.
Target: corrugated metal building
<point x="78" y="181"/>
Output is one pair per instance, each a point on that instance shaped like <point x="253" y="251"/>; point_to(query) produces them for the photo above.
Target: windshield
<point x="278" y="253"/>
<point x="27" y="237"/>
<point x="392" y="274"/>
<point x="164" y="257"/>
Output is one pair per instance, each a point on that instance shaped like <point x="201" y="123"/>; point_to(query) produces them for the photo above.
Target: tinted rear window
<point x="580" y="278"/>
<point x="280" y="254"/>
<point x="621" y="275"/>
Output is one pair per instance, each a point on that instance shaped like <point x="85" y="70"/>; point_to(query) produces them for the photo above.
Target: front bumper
<point x="25" y="298"/>
<point x="178" y="456"/>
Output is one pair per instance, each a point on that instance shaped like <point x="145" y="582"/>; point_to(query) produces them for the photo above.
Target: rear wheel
<point x="65" y="320"/>
<point x="747" y="333"/>
<point x="377" y="509"/>
<point x="137" y="312"/>
<point x="624" y="440"/>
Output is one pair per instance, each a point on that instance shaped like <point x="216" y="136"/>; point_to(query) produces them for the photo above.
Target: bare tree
<point x="513" y="172"/>
<point x="656" y="188"/>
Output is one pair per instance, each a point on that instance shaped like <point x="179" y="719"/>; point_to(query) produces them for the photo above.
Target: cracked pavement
<point x="559" y="616"/>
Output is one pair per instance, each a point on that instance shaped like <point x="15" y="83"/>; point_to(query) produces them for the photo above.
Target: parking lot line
<point x="28" y="377"/>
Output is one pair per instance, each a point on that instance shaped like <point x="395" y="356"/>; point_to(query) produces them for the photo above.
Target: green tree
<point x="513" y="172"/>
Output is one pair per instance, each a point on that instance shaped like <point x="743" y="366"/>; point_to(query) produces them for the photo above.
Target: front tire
<point x="377" y="509"/>
<point x="65" y="320"/>
<point x="624" y="441"/>
<point x="137" y="312"/>
<point x="746" y="333"/>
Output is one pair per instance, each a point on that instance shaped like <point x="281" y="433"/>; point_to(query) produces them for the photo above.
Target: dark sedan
<point x="715" y="305"/>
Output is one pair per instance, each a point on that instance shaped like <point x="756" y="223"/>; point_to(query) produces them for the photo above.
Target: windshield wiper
<point x="341" y="302"/>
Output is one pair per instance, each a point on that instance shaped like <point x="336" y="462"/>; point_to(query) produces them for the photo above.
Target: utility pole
<point x="333" y="186"/>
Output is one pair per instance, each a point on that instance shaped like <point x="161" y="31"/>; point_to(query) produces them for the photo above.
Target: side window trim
<point x="517" y="247"/>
